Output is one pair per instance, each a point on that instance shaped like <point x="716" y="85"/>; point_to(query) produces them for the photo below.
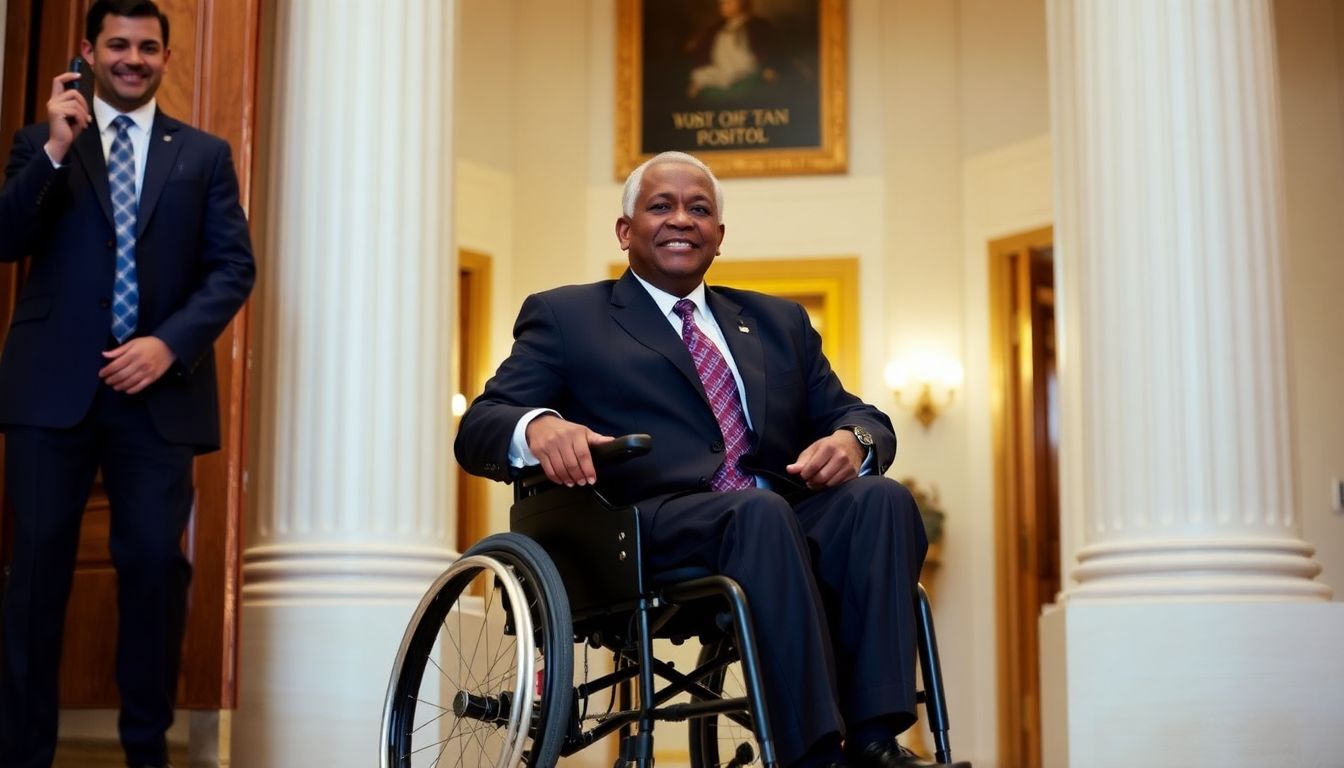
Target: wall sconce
<point x="926" y="386"/>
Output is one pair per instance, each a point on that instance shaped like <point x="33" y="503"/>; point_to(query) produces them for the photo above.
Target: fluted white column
<point x="1191" y="577"/>
<point x="1171" y="248"/>
<point x="352" y="479"/>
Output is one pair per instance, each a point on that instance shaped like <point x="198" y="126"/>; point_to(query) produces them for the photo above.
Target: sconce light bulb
<point x="926" y="386"/>
<point x="896" y="375"/>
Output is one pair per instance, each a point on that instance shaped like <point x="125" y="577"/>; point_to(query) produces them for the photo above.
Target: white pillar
<point x="1195" y="634"/>
<point x="352" y="515"/>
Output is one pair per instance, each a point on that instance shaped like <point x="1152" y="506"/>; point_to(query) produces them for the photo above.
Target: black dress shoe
<point x="890" y="754"/>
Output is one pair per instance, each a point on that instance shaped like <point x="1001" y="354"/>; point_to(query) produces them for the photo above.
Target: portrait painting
<point x="753" y="87"/>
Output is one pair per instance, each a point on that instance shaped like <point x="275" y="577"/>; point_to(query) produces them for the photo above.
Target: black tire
<point x="484" y="711"/>
<point x="717" y="741"/>
<point x="554" y="631"/>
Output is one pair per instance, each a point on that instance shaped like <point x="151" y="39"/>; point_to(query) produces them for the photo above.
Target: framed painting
<point x="752" y="87"/>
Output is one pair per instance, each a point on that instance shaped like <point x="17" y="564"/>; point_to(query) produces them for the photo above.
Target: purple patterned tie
<point x="722" y="392"/>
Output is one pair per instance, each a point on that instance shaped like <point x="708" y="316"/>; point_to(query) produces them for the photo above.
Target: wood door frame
<point x="1016" y="444"/>
<point x="473" y="359"/>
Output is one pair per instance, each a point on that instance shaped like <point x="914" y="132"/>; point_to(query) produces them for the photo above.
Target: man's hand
<point x="563" y="448"/>
<point x="67" y="116"/>
<point x="830" y="461"/>
<point x="136" y="364"/>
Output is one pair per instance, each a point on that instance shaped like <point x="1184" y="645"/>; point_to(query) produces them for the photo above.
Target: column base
<point x="312" y="677"/>
<point x="1240" y="568"/>
<point x="1192" y="684"/>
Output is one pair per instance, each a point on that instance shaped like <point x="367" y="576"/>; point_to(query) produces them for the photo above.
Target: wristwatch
<point x="864" y="437"/>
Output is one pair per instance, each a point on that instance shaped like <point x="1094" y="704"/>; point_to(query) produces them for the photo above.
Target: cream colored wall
<point x="1005" y="172"/>
<point x="483" y="215"/>
<point x="485" y="66"/>
<point x="1311" y="72"/>
<point x="1007" y="191"/>
<point x="950" y="150"/>
<point x="1005" y="94"/>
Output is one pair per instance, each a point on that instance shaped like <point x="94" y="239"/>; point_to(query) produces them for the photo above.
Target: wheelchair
<point x="484" y="675"/>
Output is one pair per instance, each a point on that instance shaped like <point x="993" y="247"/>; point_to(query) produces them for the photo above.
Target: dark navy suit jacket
<point x="194" y="265"/>
<point x="603" y="355"/>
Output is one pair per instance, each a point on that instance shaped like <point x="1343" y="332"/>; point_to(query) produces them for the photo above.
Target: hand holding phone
<point x="84" y="84"/>
<point x="67" y="114"/>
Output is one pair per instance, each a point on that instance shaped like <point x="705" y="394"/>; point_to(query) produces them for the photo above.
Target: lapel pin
<point x="167" y="138"/>
<point x="742" y="328"/>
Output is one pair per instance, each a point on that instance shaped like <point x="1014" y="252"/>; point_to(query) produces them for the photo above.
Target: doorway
<point x="1025" y="414"/>
<point x="209" y="86"/>
<point x="473" y="346"/>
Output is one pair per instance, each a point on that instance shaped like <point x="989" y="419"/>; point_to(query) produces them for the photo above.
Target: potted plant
<point x="931" y="511"/>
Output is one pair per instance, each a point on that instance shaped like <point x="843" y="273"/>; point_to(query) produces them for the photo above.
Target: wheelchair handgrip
<point x="621" y="449"/>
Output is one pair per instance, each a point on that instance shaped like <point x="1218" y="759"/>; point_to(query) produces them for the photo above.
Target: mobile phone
<point x="85" y="82"/>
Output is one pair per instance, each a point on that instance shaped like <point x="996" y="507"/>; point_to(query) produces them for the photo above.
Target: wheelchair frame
<point x="595" y="591"/>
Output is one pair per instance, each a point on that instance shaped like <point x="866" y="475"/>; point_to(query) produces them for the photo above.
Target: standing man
<point x="763" y="467"/>
<point x="139" y="256"/>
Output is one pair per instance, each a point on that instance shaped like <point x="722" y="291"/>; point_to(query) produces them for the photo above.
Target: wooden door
<point x="211" y="83"/>
<point x="1026" y="468"/>
<point x="473" y="368"/>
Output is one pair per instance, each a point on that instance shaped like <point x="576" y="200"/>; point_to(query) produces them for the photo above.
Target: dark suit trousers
<point x="48" y="474"/>
<point x="831" y="583"/>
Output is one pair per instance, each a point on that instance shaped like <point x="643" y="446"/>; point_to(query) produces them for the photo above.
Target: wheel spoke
<point x="716" y="739"/>
<point x="494" y="613"/>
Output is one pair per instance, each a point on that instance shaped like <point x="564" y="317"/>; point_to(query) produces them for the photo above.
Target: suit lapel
<point x="159" y="161"/>
<point x="88" y="151"/>
<point x="740" y="332"/>
<point x="635" y="310"/>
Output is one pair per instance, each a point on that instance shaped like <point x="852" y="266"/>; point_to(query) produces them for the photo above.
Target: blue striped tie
<point x="121" y="180"/>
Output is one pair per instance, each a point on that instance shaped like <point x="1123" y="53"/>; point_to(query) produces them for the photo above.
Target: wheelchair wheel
<point x="477" y="681"/>
<point x="723" y="741"/>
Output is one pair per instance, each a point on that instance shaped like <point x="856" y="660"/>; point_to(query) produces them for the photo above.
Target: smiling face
<point x="128" y="60"/>
<point x="675" y="232"/>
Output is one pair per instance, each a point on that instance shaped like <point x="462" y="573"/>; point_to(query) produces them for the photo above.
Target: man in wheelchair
<point x="763" y="467"/>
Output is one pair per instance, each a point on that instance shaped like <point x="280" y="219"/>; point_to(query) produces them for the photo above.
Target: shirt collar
<point x="142" y="116"/>
<point x="667" y="301"/>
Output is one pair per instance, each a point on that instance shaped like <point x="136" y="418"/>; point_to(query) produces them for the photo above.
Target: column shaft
<point x="353" y="513"/>
<point x="1195" y="633"/>
<point x="1170" y="249"/>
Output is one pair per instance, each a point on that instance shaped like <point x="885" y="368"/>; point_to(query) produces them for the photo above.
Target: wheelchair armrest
<point x="621" y="449"/>
<point x="595" y="545"/>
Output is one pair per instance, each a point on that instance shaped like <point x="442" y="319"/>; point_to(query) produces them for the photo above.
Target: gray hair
<point x="636" y="178"/>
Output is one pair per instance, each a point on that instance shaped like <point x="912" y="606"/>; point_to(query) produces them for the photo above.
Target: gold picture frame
<point x="763" y="93"/>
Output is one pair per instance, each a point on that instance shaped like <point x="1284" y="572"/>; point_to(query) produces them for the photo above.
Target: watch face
<point x="863" y="436"/>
